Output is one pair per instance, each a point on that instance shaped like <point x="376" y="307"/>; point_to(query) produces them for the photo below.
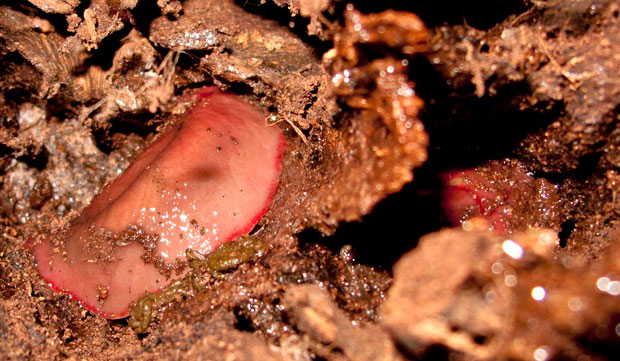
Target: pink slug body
<point x="206" y="180"/>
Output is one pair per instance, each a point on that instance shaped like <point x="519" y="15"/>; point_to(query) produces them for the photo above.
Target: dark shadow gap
<point x="243" y="322"/>
<point x="466" y="130"/>
<point x="35" y="158"/>
<point x="144" y="13"/>
<point x="587" y="165"/>
<point x="480" y="14"/>
<point x="140" y="124"/>
<point x="566" y="230"/>
<point x="393" y="227"/>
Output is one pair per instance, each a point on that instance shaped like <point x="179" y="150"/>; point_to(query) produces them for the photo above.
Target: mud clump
<point x="226" y="257"/>
<point x="492" y="297"/>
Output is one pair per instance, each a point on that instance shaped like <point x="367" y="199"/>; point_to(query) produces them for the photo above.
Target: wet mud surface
<point x="400" y="121"/>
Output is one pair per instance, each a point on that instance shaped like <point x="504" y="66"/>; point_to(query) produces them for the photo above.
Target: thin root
<point x="292" y="124"/>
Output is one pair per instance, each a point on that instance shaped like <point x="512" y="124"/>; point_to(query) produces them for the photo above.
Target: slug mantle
<point x="206" y="180"/>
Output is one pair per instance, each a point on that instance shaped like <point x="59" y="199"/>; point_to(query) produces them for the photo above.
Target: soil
<point x="376" y="103"/>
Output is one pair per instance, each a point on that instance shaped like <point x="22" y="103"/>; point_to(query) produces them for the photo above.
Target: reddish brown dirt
<point x="374" y="106"/>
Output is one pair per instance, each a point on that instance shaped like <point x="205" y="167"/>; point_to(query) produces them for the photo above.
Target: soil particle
<point x="75" y="183"/>
<point x="214" y="340"/>
<point x="313" y="312"/>
<point x="100" y="19"/>
<point x="319" y="25"/>
<point x="492" y="297"/>
<point x="19" y="180"/>
<point x="56" y="6"/>
<point x="48" y="178"/>
<point x="41" y="192"/>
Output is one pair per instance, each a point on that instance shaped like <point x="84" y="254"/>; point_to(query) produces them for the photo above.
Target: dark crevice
<point x="586" y="166"/>
<point x="37" y="318"/>
<point x="103" y="55"/>
<point x="121" y="322"/>
<point x="480" y="14"/>
<point x="139" y="124"/>
<point x="243" y="322"/>
<point x="70" y="340"/>
<point x="61" y="108"/>
<point x="16" y="91"/>
<point x="4" y="150"/>
<point x="552" y="177"/>
<point x="392" y="228"/>
<point x="257" y="228"/>
<point x="466" y="130"/>
<point x="480" y="340"/>
<point x="144" y="13"/>
<point x="436" y="352"/>
<point x="58" y="21"/>
<point x="241" y="88"/>
<point x="36" y="159"/>
<point x="603" y="342"/>
<point x="566" y="230"/>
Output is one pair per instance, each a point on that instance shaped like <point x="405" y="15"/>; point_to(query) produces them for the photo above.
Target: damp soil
<point x="378" y="101"/>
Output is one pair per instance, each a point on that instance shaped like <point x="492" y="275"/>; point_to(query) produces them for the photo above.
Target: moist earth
<point x="377" y="101"/>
